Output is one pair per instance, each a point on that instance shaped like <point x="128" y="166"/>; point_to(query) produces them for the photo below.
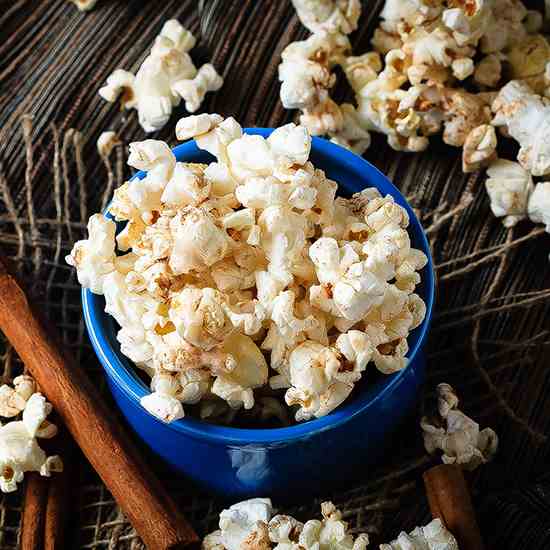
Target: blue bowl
<point x="299" y="460"/>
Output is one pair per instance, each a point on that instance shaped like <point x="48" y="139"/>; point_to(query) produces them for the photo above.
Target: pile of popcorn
<point x="253" y="525"/>
<point x="462" y="69"/>
<point x="219" y="267"/>
<point x="167" y="76"/>
<point x="19" y="448"/>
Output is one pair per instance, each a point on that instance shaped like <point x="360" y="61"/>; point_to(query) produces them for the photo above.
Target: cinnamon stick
<point x="34" y="511"/>
<point x="450" y="501"/>
<point x="95" y="429"/>
<point x="59" y="496"/>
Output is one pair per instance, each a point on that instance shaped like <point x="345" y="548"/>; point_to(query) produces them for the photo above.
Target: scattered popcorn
<point x="253" y="525"/>
<point x="167" y="76"/>
<point x="19" y="449"/>
<point x="410" y="87"/>
<point x="456" y="435"/>
<point x="250" y="276"/>
<point x="509" y="187"/>
<point x="106" y="142"/>
<point x="432" y="536"/>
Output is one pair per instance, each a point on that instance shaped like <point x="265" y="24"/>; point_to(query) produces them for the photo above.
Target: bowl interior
<point x="352" y="173"/>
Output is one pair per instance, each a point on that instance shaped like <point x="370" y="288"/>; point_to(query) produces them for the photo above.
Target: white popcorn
<point x="509" y="187"/>
<point x="456" y="435"/>
<point x="352" y="136"/>
<point x="11" y="402"/>
<point x="19" y="449"/>
<point x="94" y="257"/>
<point x="527" y="119"/>
<point x="348" y="289"/>
<point x="249" y="373"/>
<point x="165" y="407"/>
<point x="239" y="523"/>
<point x="186" y="187"/>
<point x="538" y="207"/>
<point x="198" y="242"/>
<point x="217" y="138"/>
<point x="362" y="69"/>
<point x="479" y="148"/>
<point x="193" y="91"/>
<point x="431" y="536"/>
<point x="166" y="76"/>
<point x="317" y="384"/>
<point x="356" y="347"/>
<point x="196" y="125"/>
<point x="251" y="525"/>
<point x="251" y="261"/>
<point x="328" y="15"/>
<point x="305" y="71"/>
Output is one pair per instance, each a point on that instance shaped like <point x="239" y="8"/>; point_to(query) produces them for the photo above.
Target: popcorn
<point x="239" y="523"/>
<point x="415" y="92"/>
<point x="479" y="148"/>
<point x="527" y="119"/>
<point x="196" y="125"/>
<point x="509" y="187"/>
<point x="192" y="91"/>
<point x="167" y="76"/>
<point x="328" y="15"/>
<point x="457" y="435"/>
<point x="434" y="535"/>
<point x="305" y="71"/>
<point x="538" y="207"/>
<point x="249" y="272"/>
<point x="19" y="448"/>
<point x="317" y="386"/>
<point x="348" y="288"/>
<point x="198" y="242"/>
<point x="251" y="524"/>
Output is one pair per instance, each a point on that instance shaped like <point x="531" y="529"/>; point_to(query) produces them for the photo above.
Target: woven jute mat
<point x="491" y="326"/>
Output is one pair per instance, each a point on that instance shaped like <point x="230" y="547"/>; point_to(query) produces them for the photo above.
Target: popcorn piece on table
<point x="457" y="435"/>
<point x="166" y="76"/>
<point x="19" y="448"/>
<point x="251" y="524"/>
<point x="434" y="535"/>
<point x="251" y="257"/>
<point x="509" y="187"/>
<point x="526" y="117"/>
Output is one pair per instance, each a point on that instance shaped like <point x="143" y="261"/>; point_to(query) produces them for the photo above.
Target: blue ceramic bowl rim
<point x="128" y="382"/>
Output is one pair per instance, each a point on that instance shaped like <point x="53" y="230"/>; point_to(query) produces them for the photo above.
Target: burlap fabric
<point x="491" y="325"/>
